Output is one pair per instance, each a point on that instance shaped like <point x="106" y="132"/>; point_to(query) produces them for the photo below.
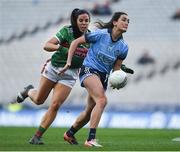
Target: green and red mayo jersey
<point x="59" y="58"/>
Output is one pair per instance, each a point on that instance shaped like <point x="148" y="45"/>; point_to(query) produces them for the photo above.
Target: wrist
<point x="58" y="46"/>
<point x="68" y="64"/>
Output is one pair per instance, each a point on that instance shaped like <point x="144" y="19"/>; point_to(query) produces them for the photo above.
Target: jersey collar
<point x="110" y="32"/>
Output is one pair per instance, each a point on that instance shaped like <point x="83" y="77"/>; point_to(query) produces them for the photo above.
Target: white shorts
<point x="68" y="78"/>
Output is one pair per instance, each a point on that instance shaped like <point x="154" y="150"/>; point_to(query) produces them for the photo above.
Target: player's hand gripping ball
<point x="118" y="79"/>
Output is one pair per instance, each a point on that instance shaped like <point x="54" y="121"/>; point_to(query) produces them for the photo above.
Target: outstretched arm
<point x="71" y="51"/>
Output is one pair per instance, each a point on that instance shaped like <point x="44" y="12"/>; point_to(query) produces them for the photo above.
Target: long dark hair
<point x="74" y="15"/>
<point x="109" y="24"/>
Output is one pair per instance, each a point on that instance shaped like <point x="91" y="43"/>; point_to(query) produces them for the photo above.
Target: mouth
<point x="83" y="29"/>
<point x="125" y="28"/>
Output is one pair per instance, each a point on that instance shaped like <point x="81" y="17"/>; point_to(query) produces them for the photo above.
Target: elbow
<point x="45" y="47"/>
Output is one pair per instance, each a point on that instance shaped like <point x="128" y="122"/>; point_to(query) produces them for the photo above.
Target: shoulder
<point x="100" y="32"/>
<point x="65" y="33"/>
<point x="66" y="28"/>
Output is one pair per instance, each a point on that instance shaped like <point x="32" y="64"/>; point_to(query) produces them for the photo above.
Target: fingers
<point x="119" y="86"/>
<point x="113" y="87"/>
<point x="130" y="71"/>
<point x="63" y="70"/>
<point x="126" y="69"/>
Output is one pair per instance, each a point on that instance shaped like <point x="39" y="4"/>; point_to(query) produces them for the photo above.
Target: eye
<point x="125" y="20"/>
<point x="80" y="20"/>
<point x="87" y="20"/>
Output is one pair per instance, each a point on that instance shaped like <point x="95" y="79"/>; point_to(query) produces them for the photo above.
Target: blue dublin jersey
<point x="103" y="51"/>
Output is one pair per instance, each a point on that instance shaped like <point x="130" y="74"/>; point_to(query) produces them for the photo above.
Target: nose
<point x="126" y="23"/>
<point x="84" y="23"/>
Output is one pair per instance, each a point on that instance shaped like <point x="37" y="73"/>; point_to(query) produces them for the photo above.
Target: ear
<point x="114" y="23"/>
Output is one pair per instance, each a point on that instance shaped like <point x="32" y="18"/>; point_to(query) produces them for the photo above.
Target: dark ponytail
<point x="109" y="24"/>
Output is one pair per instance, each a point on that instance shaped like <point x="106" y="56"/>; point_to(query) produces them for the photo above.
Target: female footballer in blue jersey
<point x="107" y="52"/>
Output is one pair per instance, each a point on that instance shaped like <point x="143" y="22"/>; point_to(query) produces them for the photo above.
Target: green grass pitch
<point x="16" y="139"/>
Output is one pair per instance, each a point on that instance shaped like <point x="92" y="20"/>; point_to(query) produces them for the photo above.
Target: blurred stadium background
<point x="150" y="100"/>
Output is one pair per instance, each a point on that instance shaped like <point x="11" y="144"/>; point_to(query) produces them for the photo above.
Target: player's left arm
<point x="122" y="56"/>
<point x="117" y="64"/>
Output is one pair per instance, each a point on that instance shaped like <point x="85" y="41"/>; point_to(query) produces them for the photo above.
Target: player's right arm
<point x="55" y="42"/>
<point x="75" y="43"/>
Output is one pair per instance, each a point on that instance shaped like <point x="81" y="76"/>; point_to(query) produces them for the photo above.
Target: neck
<point x="116" y="34"/>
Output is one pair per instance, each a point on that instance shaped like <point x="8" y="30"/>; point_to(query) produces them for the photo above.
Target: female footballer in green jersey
<point x="50" y="80"/>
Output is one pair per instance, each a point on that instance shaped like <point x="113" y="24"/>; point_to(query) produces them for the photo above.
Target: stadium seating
<point x="150" y="27"/>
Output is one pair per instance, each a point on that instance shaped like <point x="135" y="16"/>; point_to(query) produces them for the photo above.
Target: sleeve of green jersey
<point x="62" y="34"/>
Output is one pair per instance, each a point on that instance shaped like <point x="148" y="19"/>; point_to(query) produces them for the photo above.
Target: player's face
<point x="122" y="23"/>
<point x="83" y="22"/>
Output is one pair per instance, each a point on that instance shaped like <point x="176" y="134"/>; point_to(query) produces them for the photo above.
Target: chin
<point x="84" y="30"/>
<point x="123" y="31"/>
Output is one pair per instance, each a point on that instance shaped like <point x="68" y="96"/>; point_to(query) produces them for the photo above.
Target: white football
<point x="117" y="77"/>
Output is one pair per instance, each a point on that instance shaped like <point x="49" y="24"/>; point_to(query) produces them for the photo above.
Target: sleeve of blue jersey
<point x="123" y="53"/>
<point x="92" y="37"/>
